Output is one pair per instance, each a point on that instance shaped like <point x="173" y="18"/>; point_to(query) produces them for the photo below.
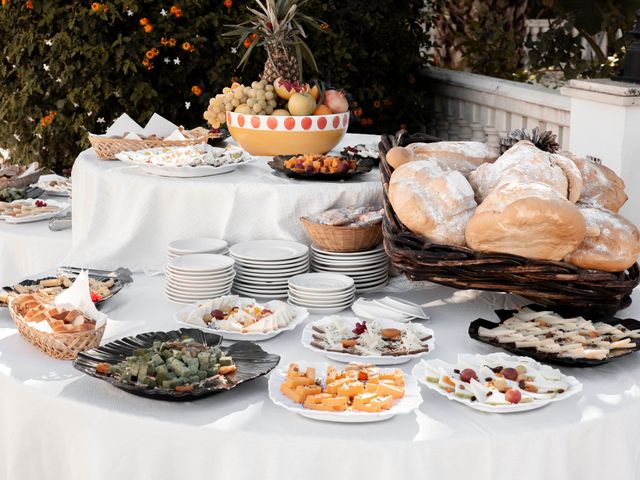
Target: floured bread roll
<point x="431" y="201"/>
<point x="527" y="218"/>
<point x="558" y="172"/>
<point x="463" y="157"/>
<point x="601" y="188"/>
<point x="612" y="242"/>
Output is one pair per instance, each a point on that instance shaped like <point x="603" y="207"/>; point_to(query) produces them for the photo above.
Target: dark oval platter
<point x="503" y="315"/>
<point x="117" y="286"/>
<point x="364" y="166"/>
<point x="252" y="362"/>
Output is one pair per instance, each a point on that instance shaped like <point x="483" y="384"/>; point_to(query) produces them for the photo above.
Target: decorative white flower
<point x="163" y="12"/>
<point x="234" y="49"/>
<point x="176" y="61"/>
<point x="100" y="120"/>
<point x="75" y="105"/>
<point x="30" y="119"/>
<point x="16" y="136"/>
<point x="58" y="80"/>
<point x="89" y="113"/>
<point x="130" y="13"/>
<point x="187" y="105"/>
<point x="38" y="135"/>
<point x="46" y="67"/>
<point x="48" y="43"/>
<point x="167" y="60"/>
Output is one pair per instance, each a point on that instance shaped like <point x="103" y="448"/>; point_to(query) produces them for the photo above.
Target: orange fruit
<point x="322" y="110"/>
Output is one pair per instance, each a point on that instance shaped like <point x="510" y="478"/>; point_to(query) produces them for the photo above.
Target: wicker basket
<point x="21" y="182"/>
<point x="107" y="148"/>
<point x="586" y="292"/>
<point x="63" y="346"/>
<point x="343" y="239"/>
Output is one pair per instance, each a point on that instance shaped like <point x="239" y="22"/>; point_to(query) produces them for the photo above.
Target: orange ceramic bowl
<point x="270" y="135"/>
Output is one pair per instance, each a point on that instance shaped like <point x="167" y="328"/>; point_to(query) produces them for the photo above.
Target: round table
<point x="57" y="423"/>
<point x="28" y="248"/>
<point x="125" y="217"/>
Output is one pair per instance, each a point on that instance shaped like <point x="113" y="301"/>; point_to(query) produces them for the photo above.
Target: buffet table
<point x="89" y="429"/>
<point x="123" y="216"/>
<point x="27" y="248"/>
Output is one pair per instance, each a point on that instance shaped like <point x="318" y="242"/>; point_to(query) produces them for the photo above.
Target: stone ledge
<point x="604" y="90"/>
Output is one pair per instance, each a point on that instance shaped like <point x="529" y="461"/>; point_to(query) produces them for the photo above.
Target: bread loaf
<point x="431" y="201"/>
<point x="527" y="218"/>
<point x="602" y="188"/>
<point x="558" y="172"/>
<point x="463" y="157"/>
<point x="612" y="242"/>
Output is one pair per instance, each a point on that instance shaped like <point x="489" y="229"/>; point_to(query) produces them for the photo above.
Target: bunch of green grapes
<point x="257" y="99"/>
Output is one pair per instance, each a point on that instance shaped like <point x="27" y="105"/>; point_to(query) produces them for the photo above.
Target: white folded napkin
<point x="78" y="297"/>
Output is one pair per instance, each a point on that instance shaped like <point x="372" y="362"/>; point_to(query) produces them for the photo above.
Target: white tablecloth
<point x="29" y="248"/>
<point x="57" y="423"/>
<point x="124" y="217"/>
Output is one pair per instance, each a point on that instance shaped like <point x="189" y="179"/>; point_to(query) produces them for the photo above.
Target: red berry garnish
<point x="95" y="297"/>
<point x="360" y="328"/>
<point x="217" y="314"/>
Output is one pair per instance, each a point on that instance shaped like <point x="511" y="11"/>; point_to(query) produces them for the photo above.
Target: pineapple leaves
<point x="247" y="55"/>
<point x="307" y="55"/>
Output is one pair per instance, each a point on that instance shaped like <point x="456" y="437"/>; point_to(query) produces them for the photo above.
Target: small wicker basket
<point x="63" y="346"/>
<point x="343" y="239"/>
<point x="106" y="148"/>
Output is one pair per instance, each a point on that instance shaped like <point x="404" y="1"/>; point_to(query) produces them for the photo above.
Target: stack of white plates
<point x="369" y="269"/>
<point x="199" y="276"/>
<point x="323" y="293"/>
<point x="189" y="246"/>
<point x="263" y="267"/>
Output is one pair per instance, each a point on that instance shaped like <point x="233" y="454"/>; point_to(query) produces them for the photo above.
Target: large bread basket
<point x="557" y="284"/>
<point x="62" y="346"/>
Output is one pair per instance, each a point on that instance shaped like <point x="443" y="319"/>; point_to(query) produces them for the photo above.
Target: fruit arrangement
<point x="278" y="27"/>
<point x="320" y="164"/>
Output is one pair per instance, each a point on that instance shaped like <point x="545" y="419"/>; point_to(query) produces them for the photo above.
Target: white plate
<point x="274" y="266"/>
<point x="260" y="287"/>
<point x="201" y="263"/>
<point x="322" y="310"/>
<point x="321" y="282"/>
<point x="252" y="293"/>
<point x="186" y="246"/>
<point x="185" y="171"/>
<point x="197" y="291"/>
<point x="402" y="306"/>
<point x="323" y="303"/>
<point x="368" y="270"/>
<point x="368" y="310"/>
<point x="371" y="283"/>
<point x="201" y="278"/>
<point x="320" y="295"/>
<point x="372" y="288"/>
<point x="365" y="253"/>
<point x="275" y="276"/>
<point x="268" y="250"/>
<point x="412" y="399"/>
<point x="196" y="294"/>
<point x="250" y="278"/>
<point x="63" y="206"/>
<point x="325" y="258"/>
<point x="271" y="263"/>
<point x="420" y="373"/>
<point x="44" y="183"/>
<point x="307" y="338"/>
<point x="301" y="314"/>
<point x="357" y="263"/>
<point x="187" y="300"/>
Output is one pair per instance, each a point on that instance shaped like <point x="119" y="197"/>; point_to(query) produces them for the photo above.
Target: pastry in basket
<point x="611" y="243"/>
<point x="349" y="216"/>
<point x="525" y="217"/>
<point x="231" y="313"/>
<point x="431" y="201"/>
<point x="358" y="387"/>
<point x="316" y="163"/>
<point x="463" y="157"/>
<point x="51" y="287"/>
<point x="601" y="187"/>
<point x="36" y="308"/>
<point x="549" y="333"/>
<point x="369" y="338"/>
<point x="557" y="171"/>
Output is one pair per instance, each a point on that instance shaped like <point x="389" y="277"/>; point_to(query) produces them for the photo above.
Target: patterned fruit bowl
<point x="271" y="135"/>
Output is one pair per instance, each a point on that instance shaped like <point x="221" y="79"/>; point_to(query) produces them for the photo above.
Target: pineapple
<point x="277" y="25"/>
<point x="544" y="140"/>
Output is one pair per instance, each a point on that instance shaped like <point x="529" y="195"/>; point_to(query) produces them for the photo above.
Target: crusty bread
<point x="612" y="242"/>
<point x="431" y="201"/>
<point x="463" y="157"/>
<point x="602" y="187"/>
<point x="527" y="218"/>
<point x="554" y="170"/>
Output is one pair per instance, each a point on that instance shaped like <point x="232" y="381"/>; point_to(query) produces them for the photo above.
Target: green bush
<point x="73" y="67"/>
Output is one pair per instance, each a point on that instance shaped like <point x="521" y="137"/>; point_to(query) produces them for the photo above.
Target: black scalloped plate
<point x="364" y="166"/>
<point x="503" y="315"/>
<point x="252" y="362"/>
<point x="117" y="286"/>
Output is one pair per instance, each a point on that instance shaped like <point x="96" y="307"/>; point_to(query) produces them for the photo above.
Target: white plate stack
<point x="369" y="269"/>
<point x="263" y="267"/>
<point x="199" y="276"/>
<point x="322" y="293"/>
<point x="189" y="246"/>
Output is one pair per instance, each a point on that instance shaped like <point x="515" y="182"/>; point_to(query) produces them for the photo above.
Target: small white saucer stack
<point x="263" y="267"/>
<point x="369" y="269"/>
<point x="188" y="246"/>
<point x="322" y="293"/>
<point x="199" y="276"/>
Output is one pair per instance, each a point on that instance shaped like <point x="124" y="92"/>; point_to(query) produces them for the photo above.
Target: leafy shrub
<point x="73" y="67"/>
